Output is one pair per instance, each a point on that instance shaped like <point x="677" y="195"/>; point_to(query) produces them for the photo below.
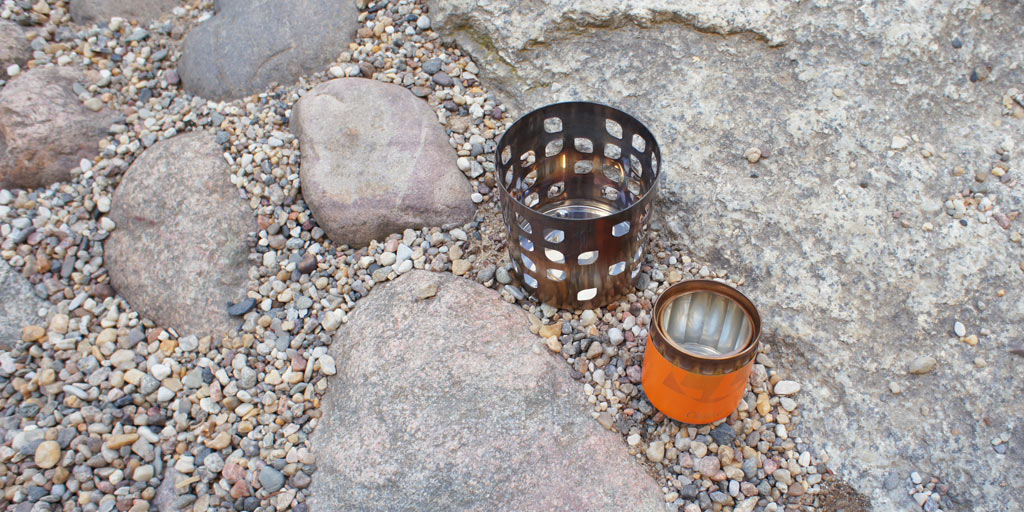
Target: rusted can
<point x="703" y="338"/>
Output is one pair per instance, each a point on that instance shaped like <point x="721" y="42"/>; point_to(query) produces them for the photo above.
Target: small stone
<point x="588" y="318"/>
<point x="32" y="333"/>
<point x="615" y="335"/>
<point x="787" y="387"/>
<point x="115" y="442"/>
<point x="94" y="104"/>
<point x="959" y="329"/>
<point x="922" y="364"/>
<point x="143" y="473"/>
<point x="656" y="451"/>
<point x="327" y="365"/>
<point x="47" y="454"/>
<point x="915" y="477"/>
<point x="752" y="155"/>
<point x="427" y="291"/>
<point x="271" y="479"/>
<point x="709" y="465"/>
<point x="423" y="22"/>
<point x="899" y="142"/>
<point x="550" y="330"/>
<point x="307" y="264"/>
<point x="698" y="449"/>
<point x="461" y="266"/>
<point x="723" y="434"/>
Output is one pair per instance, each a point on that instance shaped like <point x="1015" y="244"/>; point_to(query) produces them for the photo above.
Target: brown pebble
<point x="307" y="264"/>
<point x="32" y="333"/>
<point x="103" y="290"/>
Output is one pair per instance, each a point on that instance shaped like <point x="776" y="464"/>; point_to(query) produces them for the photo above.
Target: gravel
<point x="127" y="400"/>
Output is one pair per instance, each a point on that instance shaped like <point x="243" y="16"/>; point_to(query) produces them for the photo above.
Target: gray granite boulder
<point x="376" y="161"/>
<point x="86" y="12"/>
<point x="441" y="404"/>
<point x="871" y="221"/>
<point x="249" y="44"/>
<point x="178" y="253"/>
<point x="19" y="306"/>
<point x="45" y="130"/>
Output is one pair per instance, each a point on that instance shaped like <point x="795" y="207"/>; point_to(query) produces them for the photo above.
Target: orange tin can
<point x="703" y="338"/>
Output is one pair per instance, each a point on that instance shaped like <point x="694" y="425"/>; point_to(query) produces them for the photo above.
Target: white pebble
<point x="959" y="329"/>
<point x="13" y="70"/>
<point x="633" y="439"/>
<point x="327" y="365"/>
<point x="476" y="197"/>
<point x="787" y="387"/>
<point x="615" y="335"/>
<point x="423" y="22"/>
<point x="160" y="371"/>
<point x="464" y="164"/>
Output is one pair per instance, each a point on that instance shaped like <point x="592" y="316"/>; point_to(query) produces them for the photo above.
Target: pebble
<point x="959" y="329"/>
<point x="656" y="451"/>
<point x="922" y="364"/>
<point x="47" y="454"/>
<point x="271" y="479"/>
<point x="787" y="387"/>
<point x="427" y="291"/>
<point x="752" y="155"/>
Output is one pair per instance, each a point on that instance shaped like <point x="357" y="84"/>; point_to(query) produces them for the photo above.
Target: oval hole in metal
<point x="620" y="229"/>
<point x="639" y="143"/>
<point x="530" y="265"/>
<point x="613" y="128"/>
<point x="525" y="243"/>
<point x="617" y="268"/>
<point x="587" y="294"/>
<point x="555" y="236"/>
<point x="587" y="258"/>
<point x="556" y="275"/>
<point x="554" y="256"/>
<point x="553" y="125"/>
<point x="530" y="280"/>
<point x="553" y="148"/>
<point x="583" y="167"/>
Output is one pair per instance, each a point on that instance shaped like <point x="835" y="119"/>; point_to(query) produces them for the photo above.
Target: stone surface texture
<point x="374" y="168"/>
<point x="87" y="12"/>
<point x="844" y="241"/>
<point x="445" y="399"/>
<point x="44" y="128"/>
<point x="249" y="44"/>
<point x="19" y="306"/>
<point x="178" y="254"/>
<point x="14" y="48"/>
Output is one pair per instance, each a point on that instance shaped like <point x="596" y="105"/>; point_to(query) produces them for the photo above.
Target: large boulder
<point x="14" y="48"/>
<point x="375" y="161"/>
<point x="178" y="253"/>
<point x="45" y="130"/>
<point x="440" y="404"/>
<point x="249" y="44"/>
<point x="841" y="227"/>
<point x="100" y="11"/>
<point x="19" y="306"/>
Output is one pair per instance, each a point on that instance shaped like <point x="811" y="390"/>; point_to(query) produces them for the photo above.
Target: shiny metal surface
<point x="706" y="327"/>
<point x="706" y="324"/>
<point x="577" y="183"/>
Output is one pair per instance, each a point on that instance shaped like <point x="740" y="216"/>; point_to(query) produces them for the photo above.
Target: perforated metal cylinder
<point x="577" y="183"/>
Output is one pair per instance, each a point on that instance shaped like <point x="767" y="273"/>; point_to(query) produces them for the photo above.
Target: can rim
<point x="703" y="363"/>
<point x="656" y="149"/>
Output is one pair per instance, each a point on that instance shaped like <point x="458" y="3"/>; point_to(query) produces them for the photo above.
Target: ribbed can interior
<point x="706" y="324"/>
